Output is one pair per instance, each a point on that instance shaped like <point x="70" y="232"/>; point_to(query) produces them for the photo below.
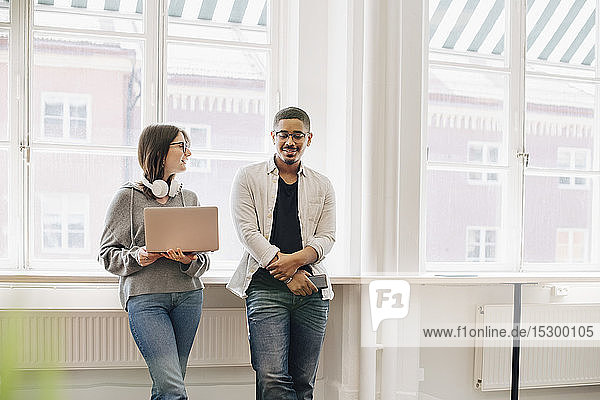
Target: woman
<point x="161" y="292"/>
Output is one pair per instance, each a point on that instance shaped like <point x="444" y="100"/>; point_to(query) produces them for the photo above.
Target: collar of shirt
<point x="272" y="167"/>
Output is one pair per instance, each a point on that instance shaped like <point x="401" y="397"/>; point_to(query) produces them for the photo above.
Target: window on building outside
<point x="65" y="223"/>
<point x="65" y="116"/>
<point x="481" y="244"/>
<point x="571" y="245"/>
<point x="573" y="159"/>
<point x="483" y="153"/>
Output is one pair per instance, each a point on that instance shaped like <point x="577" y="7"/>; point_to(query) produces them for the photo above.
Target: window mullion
<point x="514" y="206"/>
<point x="151" y="61"/>
<point x="18" y="188"/>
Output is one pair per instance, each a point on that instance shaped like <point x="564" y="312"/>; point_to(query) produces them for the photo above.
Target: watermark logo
<point x="389" y="300"/>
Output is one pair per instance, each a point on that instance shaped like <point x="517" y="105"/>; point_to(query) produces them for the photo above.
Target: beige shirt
<point x="253" y="198"/>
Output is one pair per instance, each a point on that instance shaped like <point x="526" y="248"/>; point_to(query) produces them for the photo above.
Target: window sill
<point x="221" y="277"/>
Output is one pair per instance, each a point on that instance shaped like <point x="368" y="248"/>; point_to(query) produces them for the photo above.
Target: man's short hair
<point x="292" y="113"/>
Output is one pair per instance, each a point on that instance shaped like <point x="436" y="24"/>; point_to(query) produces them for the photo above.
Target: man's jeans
<point x="286" y="335"/>
<point x="163" y="326"/>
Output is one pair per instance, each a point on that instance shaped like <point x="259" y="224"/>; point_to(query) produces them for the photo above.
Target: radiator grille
<point x="76" y="339"/>
<point x="549" y="363"/>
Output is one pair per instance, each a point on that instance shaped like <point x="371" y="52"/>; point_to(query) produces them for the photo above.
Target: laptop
<point x="191" y="229"/>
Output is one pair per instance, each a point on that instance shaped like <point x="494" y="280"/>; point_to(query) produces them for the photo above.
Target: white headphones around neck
<point x="161" y="188"/>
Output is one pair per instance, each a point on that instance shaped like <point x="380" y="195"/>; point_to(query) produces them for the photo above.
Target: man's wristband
<point x="288" y="280"/>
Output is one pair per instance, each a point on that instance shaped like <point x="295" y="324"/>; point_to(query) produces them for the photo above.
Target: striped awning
<point x="559" y="31"/>
<point x="246" y="12"/>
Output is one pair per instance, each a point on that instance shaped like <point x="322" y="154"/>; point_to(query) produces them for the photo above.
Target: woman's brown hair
<point x="153" y="147"/>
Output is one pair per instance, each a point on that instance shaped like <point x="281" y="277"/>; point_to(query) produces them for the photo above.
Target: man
<point x="284" y="214"/>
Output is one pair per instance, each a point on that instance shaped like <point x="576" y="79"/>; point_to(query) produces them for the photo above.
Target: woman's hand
<point x="180" y="256"/>
<point x="283" y="266"/>
<point x="146" y="258"/>
<point x="300" y="284"/>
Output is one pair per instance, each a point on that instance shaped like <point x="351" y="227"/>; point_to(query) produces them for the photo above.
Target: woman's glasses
<point x="184" y="146"/>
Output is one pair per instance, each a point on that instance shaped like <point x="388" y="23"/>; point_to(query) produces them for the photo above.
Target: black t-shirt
<point x="285" y="232"/>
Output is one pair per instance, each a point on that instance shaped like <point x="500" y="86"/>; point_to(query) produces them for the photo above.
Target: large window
<point x="530" y="166"/>
<point x="219" y="93"/>
<point x="99" y="72"/>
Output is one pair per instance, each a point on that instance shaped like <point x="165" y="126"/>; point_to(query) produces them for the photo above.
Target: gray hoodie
<point x="124" y="235"/>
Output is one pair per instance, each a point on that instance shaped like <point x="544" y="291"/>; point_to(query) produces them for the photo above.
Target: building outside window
<point x="66" y="116"/>
<point x="481" y="244"/>
<point x="483" y="153"/>
<point x="573" y="159"/>
<point x="571" y="245"/>
<point x="65" y="222"/>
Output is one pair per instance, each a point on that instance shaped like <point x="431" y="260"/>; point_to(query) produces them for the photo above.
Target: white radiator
<point x="77" y="339"/>
<point x="548" y="363"/>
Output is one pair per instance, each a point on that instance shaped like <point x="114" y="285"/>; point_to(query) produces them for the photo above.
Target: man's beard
<point x="287" y="160"/>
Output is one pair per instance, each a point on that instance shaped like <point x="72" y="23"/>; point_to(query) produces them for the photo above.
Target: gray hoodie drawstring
<point x="131" y="218"/>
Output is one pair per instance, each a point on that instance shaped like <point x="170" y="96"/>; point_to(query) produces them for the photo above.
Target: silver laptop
<point x="187" y="228"/>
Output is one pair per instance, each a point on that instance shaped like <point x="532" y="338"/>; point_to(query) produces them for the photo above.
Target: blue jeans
<point x="286" y="336"/>
<point x="163" y="326"/>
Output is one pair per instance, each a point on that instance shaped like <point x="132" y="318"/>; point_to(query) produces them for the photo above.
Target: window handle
<point x="26" y="150"/>
<point x="525" y="157"/>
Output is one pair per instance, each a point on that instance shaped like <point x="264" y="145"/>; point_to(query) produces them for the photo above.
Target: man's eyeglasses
<point x="296" y="136"/>
<point x="184" y="146"/>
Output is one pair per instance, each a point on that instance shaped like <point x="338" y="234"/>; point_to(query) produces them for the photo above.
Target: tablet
<point x="191" y="229"/>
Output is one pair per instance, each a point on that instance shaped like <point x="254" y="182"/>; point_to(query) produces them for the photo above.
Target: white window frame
<point x="514" y="173"/>
<point x="67" y="99"/>
<point x="153" y="96"/>
<point x="571" y="232"/>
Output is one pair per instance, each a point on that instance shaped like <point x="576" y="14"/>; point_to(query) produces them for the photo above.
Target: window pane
<point x="559" y="123"/>
<point x="52" y="109"/>
<point x="76" y="240"/>
<point x="78" y="111"/>
<point x="474" y="235"/>
<point x="561" y="34"/>
<point x="4" y="204"/>
<point x="473" y="252"/>
<point x="239" y="21"/>
<point x="114" y="16"/>
<point x="551" y="212"/>
<point x="467" y="31"/>
<point x="3" y="85"/>
<point x="98" y="83"/>
<point x="493" y="155"/>
<point x="222" y="89"/>
<point x="476" y="153"/>
<point x="453" y="206"/>
<point x="199" y="137"/>
<point x="78" y="187"/>
<point x="52" y="239"/>
<point x="53" y="127"/>
<point x="465" y="107"/>
<point x="4" y="10"/>
<point x="78" y="129"/>
<point x="213" y="188"/>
